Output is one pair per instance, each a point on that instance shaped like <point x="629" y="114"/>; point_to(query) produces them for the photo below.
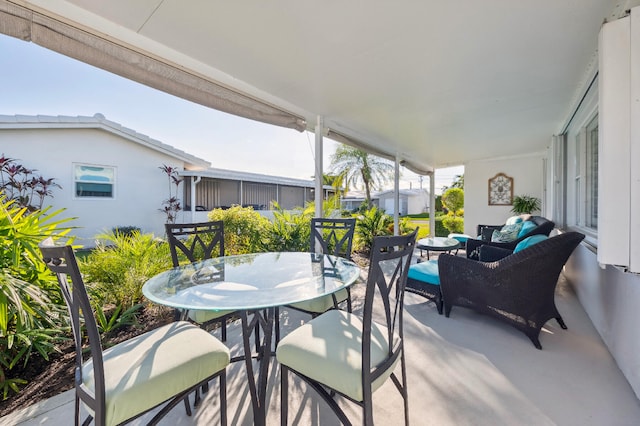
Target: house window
<point x="586" y="176"/>
<point x="93" y="181"/>
<point x="591" y="190"/>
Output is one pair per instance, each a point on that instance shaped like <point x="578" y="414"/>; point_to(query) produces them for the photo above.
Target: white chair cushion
<point x="201" y="317"/>
<point x="142" y="372"/>
<point x="321" y="304"/>
<point x="328" y="349"/>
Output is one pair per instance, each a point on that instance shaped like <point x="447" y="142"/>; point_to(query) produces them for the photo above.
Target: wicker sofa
<point x="518" y="289"/>
<point x="543" y="227"/>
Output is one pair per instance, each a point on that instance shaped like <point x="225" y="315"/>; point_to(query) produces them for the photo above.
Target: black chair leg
<point x="561" y="322"/>
<point x="284" y="395"/>
<point x="223" y="398"/>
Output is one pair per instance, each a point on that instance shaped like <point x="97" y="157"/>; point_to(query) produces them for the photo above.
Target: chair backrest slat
<point x="332" y="236"/>
<point x="197" y="241"/>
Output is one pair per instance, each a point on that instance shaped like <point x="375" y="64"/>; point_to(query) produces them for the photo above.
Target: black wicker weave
<point x="518" y="289"/>
<point x="545" y="226"/>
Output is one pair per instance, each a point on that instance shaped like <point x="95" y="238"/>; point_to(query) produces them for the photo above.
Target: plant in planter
<point x="525" y="204"/>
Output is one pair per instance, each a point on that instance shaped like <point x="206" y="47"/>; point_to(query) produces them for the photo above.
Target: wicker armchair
<point x="544" y="227"/>
<point x="518" y="289"/>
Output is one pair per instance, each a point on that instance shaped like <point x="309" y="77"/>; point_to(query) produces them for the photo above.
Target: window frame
<point x="576" y="179"/>
<point x="75" y="181"/>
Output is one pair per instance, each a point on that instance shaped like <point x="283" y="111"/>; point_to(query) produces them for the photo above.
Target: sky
<point x="37" y="81"/>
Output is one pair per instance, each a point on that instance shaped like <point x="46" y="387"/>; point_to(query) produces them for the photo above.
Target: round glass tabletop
<point x="251" y="281"/>
<point x="437" y="243"/>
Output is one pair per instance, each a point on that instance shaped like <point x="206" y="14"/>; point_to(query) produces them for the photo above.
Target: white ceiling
<point x="437" y="82"/>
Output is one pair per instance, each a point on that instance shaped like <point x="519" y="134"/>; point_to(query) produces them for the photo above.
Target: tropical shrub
<point x="29" y="323"/>
<point x="171" y="206"/>
<point x="288" y="231"/>
<point x="120" y="264"/>
<point x="32" y="315"/>
<point x="373" y="223"/>
<point x="243" y="229"/>
<point x="22" y="185"/>
<point x="453" y="200"/>
<point x="440" y="230"/>
<point x="453" y="223"/>
<point x="126" y="230"/>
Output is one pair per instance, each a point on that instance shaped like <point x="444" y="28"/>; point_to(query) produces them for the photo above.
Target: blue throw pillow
<point x="527" y="227"/>
<point x="507" y="234"/>
<point x="529" y="241"/>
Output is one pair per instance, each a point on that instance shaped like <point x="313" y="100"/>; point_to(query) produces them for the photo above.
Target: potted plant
<point x="525" y="204"/>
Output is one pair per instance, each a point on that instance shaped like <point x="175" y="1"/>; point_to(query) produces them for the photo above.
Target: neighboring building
<point x="111" y="176"/>
<point x="352" y="200"/>
<point x="412" y="201"/>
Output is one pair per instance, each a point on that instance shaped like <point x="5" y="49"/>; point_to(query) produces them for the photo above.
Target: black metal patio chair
<point x="199" y="241"/>
<point x="352" y="355"/>
<point x="127" y="380"/>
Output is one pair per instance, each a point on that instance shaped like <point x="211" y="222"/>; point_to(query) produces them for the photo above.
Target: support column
<point x="318" y="172"/>
<point x="396" y="198"/>
<point x="432" y="204"/>
<point x="194" y="182"/>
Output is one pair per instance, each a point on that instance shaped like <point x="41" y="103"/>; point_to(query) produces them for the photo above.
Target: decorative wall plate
<point x="501" y="190"/>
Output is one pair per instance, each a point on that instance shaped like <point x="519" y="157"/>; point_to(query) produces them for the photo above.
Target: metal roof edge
<point x="97" y="121"/>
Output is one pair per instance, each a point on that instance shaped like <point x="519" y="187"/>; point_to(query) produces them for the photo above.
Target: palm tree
<point x="359" y="167"/>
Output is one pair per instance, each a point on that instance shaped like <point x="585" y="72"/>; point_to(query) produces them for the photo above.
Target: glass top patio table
<point x="251" y="281"/>
<point x="256" y="283"/>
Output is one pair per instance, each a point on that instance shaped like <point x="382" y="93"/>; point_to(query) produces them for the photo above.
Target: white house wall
<point x="140" y="186"/>
<point x="527" y="174"/>
<point x="610" y="298"/>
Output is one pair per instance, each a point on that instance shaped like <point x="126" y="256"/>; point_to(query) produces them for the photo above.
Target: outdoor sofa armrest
<point x="489" y="253"/>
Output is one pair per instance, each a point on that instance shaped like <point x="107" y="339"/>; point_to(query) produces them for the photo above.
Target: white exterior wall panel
<point x="140" y="186"/>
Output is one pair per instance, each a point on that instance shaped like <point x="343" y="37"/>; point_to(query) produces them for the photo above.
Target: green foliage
<point x="440" y="230"/>
<point x="243" y="229"/>
<point x="439" y="203"/>
<point x="453" y="199"/>
<point x="288" y="231"/>
<point x="31" y="310"/>
<point x="115" y="272"/>
<point x="525" y="204"/>
<point x="372" y="223"/>
<point x="453" y="223"/>
<point x="20" y="233"/>
<point x="125" y="230"/>
<point x="117" y="318"/>
<point x="360" y="167"/>
<point x="29" y="322"/>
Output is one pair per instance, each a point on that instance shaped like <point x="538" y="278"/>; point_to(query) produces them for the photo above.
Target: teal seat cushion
<point x="142" y="372"/>
<point x="425" y="271"/>
<point x="328" y="349"/>
<point x="462" y="238"/>
<point x="321" y="304"/>
<point x="527" y="227"/>
<point x="529" y="241"/>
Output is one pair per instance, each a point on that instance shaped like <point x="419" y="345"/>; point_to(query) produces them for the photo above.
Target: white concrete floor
<point x="464" y="370"/>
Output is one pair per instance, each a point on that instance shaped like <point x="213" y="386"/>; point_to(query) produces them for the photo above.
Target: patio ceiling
<point x="436" y="82"/>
